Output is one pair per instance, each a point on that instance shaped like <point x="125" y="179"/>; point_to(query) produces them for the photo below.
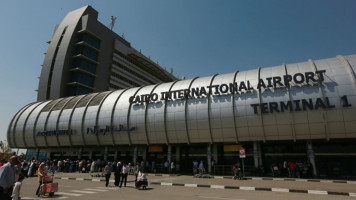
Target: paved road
<point x="91" y="190"/>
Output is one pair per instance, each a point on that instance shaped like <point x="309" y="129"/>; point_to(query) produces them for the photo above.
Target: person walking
<point x="137" y="169"/>
<point x="118" y="174"/>
<point x="107" y="172"/>
<point x="166" y="166"/>
<point x="173" y="167"/>
<point x="41" y="173"/>
<point x="124" y="172"/>
<point x="7" y="178"/>
<point x="201" y="167"/>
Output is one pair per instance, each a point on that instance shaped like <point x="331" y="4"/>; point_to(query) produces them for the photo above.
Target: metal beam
<point x="46" y="122"/>
<point x="59" y="116"/>
<point x="35" y="125"/>
<point x="209" y="123"/>
<point x="260" y="101"/>
<point x="291" y="113"/>
<point x="128" y="116"/>
<point x="185" y="111"/>
<point x="25" y="123"/>
<point x="10" y="125"/>
<point x="147" y="103"/>
<point x="233" y="108"/>
<point x="84" y="115"/>
<point x="321" y="93"/>
<point x="112" y="116"/>
<point x="97" y="114"/>
<point x="15" y="125"/>
<point x="165" y="113"/>
<point x="70" y="118"/>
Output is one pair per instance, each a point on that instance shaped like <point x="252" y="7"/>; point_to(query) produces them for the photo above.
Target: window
<point x="87" y="52"/>
<point x="124" y="79"/>
<point x="85" y="65"/>
<point x="91" y="40"/>
<point x="132" y="72"/>
<point x="82" y="78"/>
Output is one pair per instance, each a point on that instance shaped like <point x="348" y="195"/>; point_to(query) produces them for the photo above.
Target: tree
<point x="5" y="151"/>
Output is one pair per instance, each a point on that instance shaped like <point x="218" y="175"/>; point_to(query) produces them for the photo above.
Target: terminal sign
<point x="232" y="88"/>
<point x="242" y="153"/>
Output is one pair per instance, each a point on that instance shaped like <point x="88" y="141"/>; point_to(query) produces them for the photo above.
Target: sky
<point x="195" y="38"/>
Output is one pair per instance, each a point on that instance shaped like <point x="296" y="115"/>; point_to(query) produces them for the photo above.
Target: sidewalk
<point x="226" y="182"/>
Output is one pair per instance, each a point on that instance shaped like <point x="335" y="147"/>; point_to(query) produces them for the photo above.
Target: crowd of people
<point x="292" y="169"/>
<point x="13" y="172"/>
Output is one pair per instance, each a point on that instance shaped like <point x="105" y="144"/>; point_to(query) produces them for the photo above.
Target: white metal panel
<point x="104" y="118"/>
<point x="20" y="122"/>
<point x="137" y="118"/>
<point x="63" y="125"/>
<point x="51" y="126"/>
<point x="76" y="126"/>
<point x="89" y="123"/>
<point x="155" y="117"/>
<point x="120" y="117"/>
<point x="197" y="114"/>
<point x="40" y="126"/>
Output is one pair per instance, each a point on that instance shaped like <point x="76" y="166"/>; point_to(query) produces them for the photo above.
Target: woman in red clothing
<point x="292" y="169"/>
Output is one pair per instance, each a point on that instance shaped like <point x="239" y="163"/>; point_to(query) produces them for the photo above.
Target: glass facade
<point x="85" y="65"/>
<point x="86" y="51"/>
<point x="82" y="78"/>
<point x="89" y="40"/>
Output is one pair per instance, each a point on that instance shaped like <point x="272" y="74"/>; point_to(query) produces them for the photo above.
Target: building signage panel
<point x="108" y="129"/>
<point x="270" y="82"/>
<point x="242" y="153"/>
<point x="234" y="88"/>
<point x="232" y="147"/>
<point x="51" y="133"/>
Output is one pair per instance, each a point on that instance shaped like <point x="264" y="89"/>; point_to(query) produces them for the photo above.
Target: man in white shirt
<point x="125" y="170"/>
<point x="7" y="178"/>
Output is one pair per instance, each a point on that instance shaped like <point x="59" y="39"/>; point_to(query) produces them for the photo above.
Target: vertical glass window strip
<point x="87" y="52"/>
<point x="82" y="78"/>
<point x="85" y="65"/>
<point x="91" y="40"/>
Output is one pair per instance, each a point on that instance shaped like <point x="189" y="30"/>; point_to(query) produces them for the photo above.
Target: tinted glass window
<point x="91" y="40"/>
<point x="86" y="51"/>
<point x="82" y="78"/>
<point x="85" y="65"/>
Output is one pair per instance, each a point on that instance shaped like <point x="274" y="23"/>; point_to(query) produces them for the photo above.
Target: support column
<point x="256" y="154"/>
<point x="215" y="153"/>
<point x="135" y="156"/>
<point x="80" y="153"/>
<point x="208" y="153"/>
<point x="106" y="153"/>
<point x="177" y="158"/>
<point x="169" y="154"/>
<point x="115" y="155"/>
<point x="144" y="153"/>
<point x="311" y="157"/>
<point x="260" y="156"/>
<point x="91" y="155"/>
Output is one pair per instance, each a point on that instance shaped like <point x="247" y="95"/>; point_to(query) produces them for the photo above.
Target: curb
<point x="321" y="192"/>
<point x="289" y="179"/>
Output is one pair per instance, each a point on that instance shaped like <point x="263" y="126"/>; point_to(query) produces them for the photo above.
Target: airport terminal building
<point x="85" y="56"/>
<point x="302" y="111"/>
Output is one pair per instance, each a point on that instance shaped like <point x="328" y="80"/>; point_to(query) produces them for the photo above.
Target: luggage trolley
<point x="48" y="187"/>
<point x="141" y="181"/>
